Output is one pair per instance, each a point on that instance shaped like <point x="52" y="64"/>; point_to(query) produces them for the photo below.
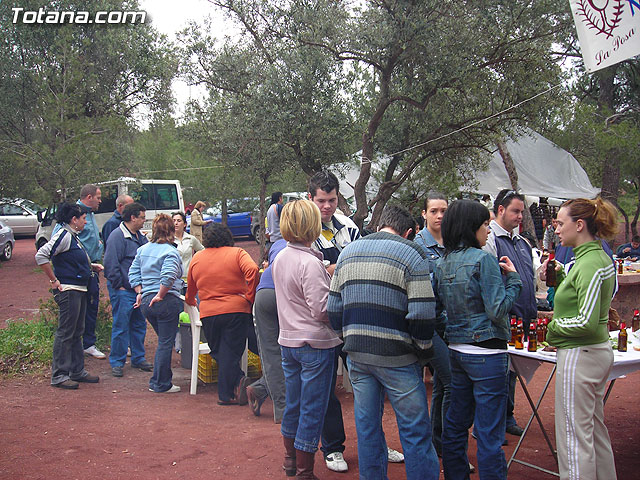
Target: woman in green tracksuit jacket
<point x="579" y="330"/>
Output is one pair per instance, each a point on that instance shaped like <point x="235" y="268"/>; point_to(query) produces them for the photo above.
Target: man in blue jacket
<point x="631" y="250"/>
<point x="129" y="326"/>
<point x="508" y="209"/>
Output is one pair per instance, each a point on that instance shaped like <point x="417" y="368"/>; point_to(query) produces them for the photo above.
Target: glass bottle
<point x="514" y="331"/>
<point x="622" y="338"/>
<point x="635" y="323"/>
<point x="551" y="275"/>
<point x="519" y="336"/>
<point x="540" y="330"/>
<point x="533" y="338"/>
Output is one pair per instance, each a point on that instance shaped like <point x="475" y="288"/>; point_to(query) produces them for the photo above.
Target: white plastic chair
<point x="198" y="348"/>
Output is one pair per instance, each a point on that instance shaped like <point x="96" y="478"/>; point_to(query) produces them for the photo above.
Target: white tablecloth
<point x="623" y="362"/>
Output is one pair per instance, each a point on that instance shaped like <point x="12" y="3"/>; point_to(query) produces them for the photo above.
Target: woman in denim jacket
<point x="469" y="286"/>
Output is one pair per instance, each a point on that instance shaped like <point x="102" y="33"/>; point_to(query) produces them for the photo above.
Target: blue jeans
<point x="163" y="317"/>
<point x="129" y="328"/>
<point x="440" y="397"/>
<point x="91" y="314"/>
<point x="307" y="374"/>
<point x="408" y="397"/>
<point x="68" y="357"/>
<point x="478" y="397"/>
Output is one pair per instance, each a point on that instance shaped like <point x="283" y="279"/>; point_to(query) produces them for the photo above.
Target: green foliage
<point x="27" y="346"/>
<point x="68" y="94"/>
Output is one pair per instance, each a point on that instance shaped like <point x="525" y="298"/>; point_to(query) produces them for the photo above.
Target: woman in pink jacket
<point x="307" y="340"/>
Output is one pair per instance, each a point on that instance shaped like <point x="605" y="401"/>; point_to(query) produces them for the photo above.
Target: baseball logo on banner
<point x="608" y="30"/>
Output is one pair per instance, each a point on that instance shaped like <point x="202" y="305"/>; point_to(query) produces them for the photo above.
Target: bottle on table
<point x="514" y="332"/>
<point x="635" y="323"/>
<point x="551" y="277"/>
<point x="533" y="338"/>
<point x="519" y="335"/>
<point x="620" y="266"/>
<point x="540" y="330"/>
<point x="622" y="338"/>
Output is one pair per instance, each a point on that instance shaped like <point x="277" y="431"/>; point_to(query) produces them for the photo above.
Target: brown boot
<point x="289" y="464"/>
<point x="304" y="465"/>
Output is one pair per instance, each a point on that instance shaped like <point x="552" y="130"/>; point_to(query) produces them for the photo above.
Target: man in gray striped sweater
<point x="382" y="303"/>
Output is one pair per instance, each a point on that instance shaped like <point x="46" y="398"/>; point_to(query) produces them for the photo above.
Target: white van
<point x="158" y="196"/>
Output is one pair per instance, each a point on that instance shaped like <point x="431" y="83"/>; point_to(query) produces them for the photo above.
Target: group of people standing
<point x="391" y="303"/>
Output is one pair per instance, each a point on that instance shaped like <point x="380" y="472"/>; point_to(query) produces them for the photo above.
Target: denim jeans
<point x="478" y="397"/>
<point x="68" y="355"/>
<point x="408" y="397"/>
<point x="129" y="328"/>
<point x="440" y="397"/>
<point x="91" y="314"/>
<point x="307" y="374"/>
<point x="227" y="337"/>
<point x="163" y="317"/>
<point x="333" y="435"/>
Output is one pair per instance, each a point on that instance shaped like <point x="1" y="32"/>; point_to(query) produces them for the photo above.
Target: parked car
<point x="239" y="216"/>
<point x="20" y="214"/>
<point x="286" y="197"/>
<point x="7" y="241"/>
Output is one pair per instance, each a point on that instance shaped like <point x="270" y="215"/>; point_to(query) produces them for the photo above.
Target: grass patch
<point x="26" y="347"/>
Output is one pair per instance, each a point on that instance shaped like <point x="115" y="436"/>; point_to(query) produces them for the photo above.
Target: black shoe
<point x="144" y="366"/>
<point x="88" y="379"/>
<point x="68" y="384"/>
<point x="116" y="371"/>
<point x="515" y="430"/>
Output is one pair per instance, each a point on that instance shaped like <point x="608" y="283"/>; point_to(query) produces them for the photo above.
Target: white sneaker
<point x="128" y="351"/>
<point x="173" y="389"/>
<point x="394" y="456"/>
<point x="335" y="461"/>
<point x="94" y="352"/>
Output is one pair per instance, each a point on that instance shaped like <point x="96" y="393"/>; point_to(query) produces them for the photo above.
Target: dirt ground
<point x="118" y="429"/>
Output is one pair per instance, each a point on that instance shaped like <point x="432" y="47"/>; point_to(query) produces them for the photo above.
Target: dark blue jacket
<point x="109" y="226"/>
<point x="121" y="250"/>
<point x="70" y="260"/>
<point x="519" y="252"/>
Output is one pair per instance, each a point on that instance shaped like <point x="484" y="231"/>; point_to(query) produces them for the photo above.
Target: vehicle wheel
<point x="40" y="243"/>
<point x="256" y="234"/>
<point x="7" y="251"/>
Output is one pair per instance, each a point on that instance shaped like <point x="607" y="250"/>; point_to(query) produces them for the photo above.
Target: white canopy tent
<point x="544" y="170"/>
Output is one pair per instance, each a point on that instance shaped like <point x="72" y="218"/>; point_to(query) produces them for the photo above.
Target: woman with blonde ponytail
<point x="579" y="331"/>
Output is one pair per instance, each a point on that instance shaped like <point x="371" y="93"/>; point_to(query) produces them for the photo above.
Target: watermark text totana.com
<point x="42" y="16"/>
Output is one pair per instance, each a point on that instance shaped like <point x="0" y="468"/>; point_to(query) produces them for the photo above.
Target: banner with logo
<point x="608" y="30"/>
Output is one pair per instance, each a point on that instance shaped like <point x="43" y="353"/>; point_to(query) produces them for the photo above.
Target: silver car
<point x="20" y="215"/>
<point x="7" y="241"/>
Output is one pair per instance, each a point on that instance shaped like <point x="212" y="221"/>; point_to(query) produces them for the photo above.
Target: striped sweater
<point x="583" y="298"/>
<point x="382" y="302"/>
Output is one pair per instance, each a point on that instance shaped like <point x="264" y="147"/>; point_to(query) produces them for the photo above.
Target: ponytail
<point x="599" y="215"/>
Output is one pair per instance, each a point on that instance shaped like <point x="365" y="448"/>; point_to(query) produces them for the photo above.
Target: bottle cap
<point x="636" y="312"/>
<point x="623" y="326"/>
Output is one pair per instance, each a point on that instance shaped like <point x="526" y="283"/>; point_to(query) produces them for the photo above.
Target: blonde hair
<point x="598" y="214"/>
<point x="300" y="221"/>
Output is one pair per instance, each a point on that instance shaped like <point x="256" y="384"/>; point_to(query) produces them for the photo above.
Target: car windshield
<point x="29" y="205"/>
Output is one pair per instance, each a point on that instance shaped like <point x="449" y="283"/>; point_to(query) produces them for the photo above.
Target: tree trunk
<point x="224" y="213"/>
<point x="606" y="106"/>
<point x="527" y="220"/>
<point x="261" y="230"/>
<point x="634" y="223"/>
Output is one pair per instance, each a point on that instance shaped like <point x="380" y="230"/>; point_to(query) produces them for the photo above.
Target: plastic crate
<point x="208" y="368"/>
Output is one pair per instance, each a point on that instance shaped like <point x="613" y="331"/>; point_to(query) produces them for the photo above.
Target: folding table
<point x="525" y="363"/>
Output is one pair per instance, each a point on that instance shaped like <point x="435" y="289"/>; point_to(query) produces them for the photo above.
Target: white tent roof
<point x="544" y="170"/>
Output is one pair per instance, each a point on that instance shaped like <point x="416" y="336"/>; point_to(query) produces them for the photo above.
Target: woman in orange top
<point x="225" y="279"/>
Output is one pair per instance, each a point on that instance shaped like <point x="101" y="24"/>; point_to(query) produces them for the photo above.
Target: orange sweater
<point x="225" y="279"/>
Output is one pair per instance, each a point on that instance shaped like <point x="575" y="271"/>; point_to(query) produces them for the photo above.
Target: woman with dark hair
<point x="579" y="330"/>
<point x="468" y="284"/>
<point x="187" y="244"/>
<point x="68" y="279"/>
<point x="155" y="275"/>
<point x="225" y="279"/>
<point x="430" y="239"/>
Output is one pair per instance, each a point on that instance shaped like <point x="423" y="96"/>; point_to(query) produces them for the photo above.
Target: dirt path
<point x="118" y="429"/>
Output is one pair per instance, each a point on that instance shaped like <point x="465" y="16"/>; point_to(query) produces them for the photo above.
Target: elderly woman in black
<point x="68" y="278"/>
